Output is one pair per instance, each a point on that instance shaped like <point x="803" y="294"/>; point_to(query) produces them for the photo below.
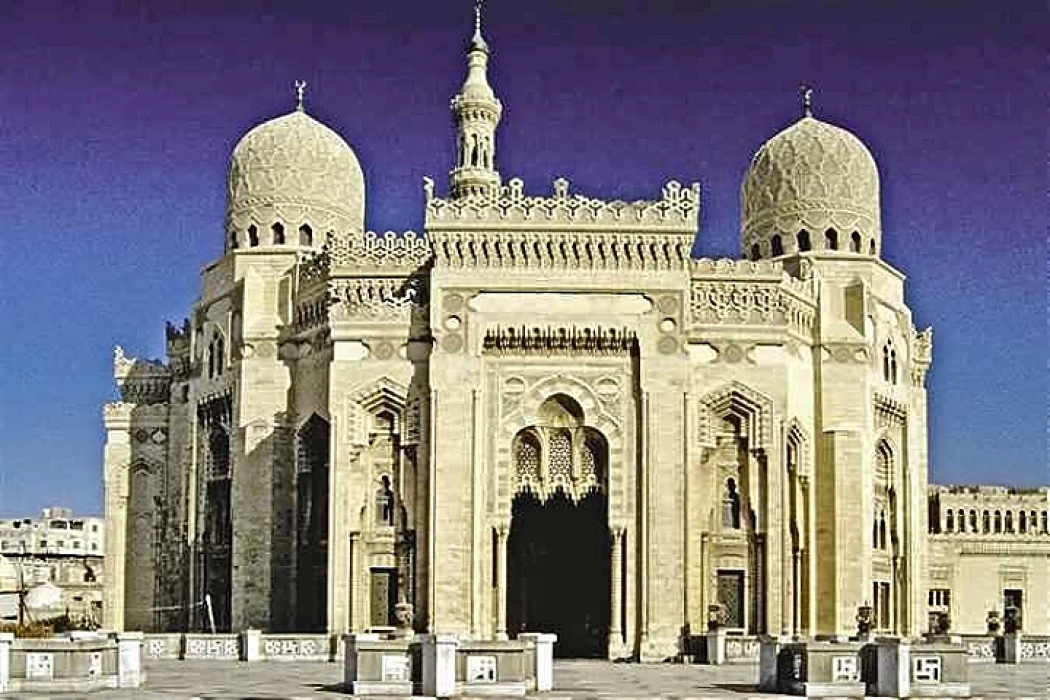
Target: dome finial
<point x="478" y="41"/>
<point x="806" y="93"/>
<point x="300" y="93"/>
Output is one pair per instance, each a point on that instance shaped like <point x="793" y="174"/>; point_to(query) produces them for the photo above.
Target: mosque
<point x="543" y="414"/>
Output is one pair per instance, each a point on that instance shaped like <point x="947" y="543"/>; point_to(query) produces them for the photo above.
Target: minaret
<point x="476" y="112"/>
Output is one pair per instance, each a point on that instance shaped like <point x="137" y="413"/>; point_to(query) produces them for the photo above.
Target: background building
<point x="989" y="549"/>
<point x="56" y="549"/>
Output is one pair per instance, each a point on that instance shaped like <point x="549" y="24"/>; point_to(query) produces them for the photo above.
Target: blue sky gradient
<point x="116" y="124"/>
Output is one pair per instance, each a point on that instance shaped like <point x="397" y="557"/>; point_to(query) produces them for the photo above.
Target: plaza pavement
<point x="227" y="680"/>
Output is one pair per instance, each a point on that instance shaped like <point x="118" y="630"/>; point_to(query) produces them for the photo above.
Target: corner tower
<point x="476" y="112"/>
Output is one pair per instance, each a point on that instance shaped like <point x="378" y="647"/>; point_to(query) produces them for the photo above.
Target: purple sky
<point x="116" y="125"/>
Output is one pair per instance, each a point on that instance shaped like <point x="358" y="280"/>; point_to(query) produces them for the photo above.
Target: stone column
<point x="616" y="586"/>
<point x="501" y="581"/>
<point x="439" y="664"/>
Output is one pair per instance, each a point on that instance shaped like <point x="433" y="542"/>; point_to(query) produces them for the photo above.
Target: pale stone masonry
<point x="541" y="415"/>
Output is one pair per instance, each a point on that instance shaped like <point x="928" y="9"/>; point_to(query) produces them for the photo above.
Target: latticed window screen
<point x="559" y="459"/>
<point x="587" y="464"/>
<point x="731" y="597"/>
<point x="527" y="458"/>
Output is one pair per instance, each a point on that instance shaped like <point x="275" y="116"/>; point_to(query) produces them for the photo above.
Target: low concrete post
<point x="716" y="646"/>
<point x="543" y="650"/>
<point x="892" y="667"/>
<point x="6" y="640"/>
<point x="129" y="659"/>
<point x="769" y="652"/>
<point x="251" y="645"/>
<point x="1011" y="648"/>
<point x="439" y="665"/>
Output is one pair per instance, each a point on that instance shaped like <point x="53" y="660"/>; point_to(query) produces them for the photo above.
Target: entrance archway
<point x="559" y="571"/>
<point x="558" y="552"/>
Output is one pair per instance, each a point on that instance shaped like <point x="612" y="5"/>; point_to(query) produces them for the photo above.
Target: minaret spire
<point x="300" y="94"/>
<point x="805" y="93"/>
<point x="476" y="112"/>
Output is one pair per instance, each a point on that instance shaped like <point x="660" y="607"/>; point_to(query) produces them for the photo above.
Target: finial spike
<point x="300" y="93"/>
<point x="806" y="93"/>
<point x="477" y="17"/>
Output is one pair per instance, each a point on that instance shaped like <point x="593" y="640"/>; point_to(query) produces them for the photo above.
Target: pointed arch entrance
<point x="558" y="549"/>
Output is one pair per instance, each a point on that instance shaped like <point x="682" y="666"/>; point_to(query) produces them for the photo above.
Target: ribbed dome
<point x="815" y="182"/>
<point x="292" y="171"/>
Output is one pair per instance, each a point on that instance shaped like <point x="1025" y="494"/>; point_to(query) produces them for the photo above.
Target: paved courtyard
<point x="220" y="680"/>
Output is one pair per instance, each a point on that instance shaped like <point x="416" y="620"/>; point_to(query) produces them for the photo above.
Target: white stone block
<point x="251" y="645"/>
<point x="543" y="649"/>
<point x="439" y="665"/>
<point x="129" y="659"/>
<point x="716" y="646"/>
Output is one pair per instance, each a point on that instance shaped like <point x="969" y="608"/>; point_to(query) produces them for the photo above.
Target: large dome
<point x="292" y="180"/>
<point x="813" y="186"/>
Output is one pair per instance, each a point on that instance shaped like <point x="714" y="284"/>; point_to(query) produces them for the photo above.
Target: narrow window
<point x="756" y="252"/>
<point x="1022" y="522"/>
<point x="278" y="234"/>
<point x="973" y="521"/>
<point x="831" y="239"/>
<point x="871" y="247"/>
<point x="893" y="366"/>
<point x="1044" y="522"/>
<point x="385" y="504"/>
<point x="1008" y="522"/>
<point x="986" y="522"/>
<point x="233" y="241"/>
<point x="803" y="241"/>
<point x="777" y="246"/>
<point x="962" y="520"/>
<point x="306" y="235"/>
<point x="949" y="524"/>
<point x="253" y="236"/>
<point x="998" y="521"/>
<point x="854" y="242"/>
<point x="220" y="356"/>
<point x="731" y="506"/>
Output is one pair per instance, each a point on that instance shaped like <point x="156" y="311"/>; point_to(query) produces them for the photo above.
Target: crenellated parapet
<point x="141" y="381"/>
<point x="675" y="212"/>
<point x="379" y="253"/>
<point x="744" y="292"/>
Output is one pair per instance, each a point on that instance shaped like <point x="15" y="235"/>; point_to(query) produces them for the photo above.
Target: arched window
<point x="776" y="246"/>
<point x="1008" y="521"/>
<point x="882" y="530"/>
<point x="889" y="363"/>
<point x="949" y="523"/>
<point x="384" y="504"/>
<point x="278" y="233"/>
<point x="871" y="247"/>
<point x="211" y="359"/>
<point x="233" y="241"/>
<point x="756" y="252"/>
<point x="731" y="506"/>
<point x="973" y="521"/>
<point x="962" y="520"/>
<point x="854" y="242"/>
<point x="986" y="522"/>
<point x="1044" y="523"/>
<point x="893" y="366"/>
<point x="1022" y="522"/>
<point x="306" y="235"/>
<point x="253" y="236"/>
<point x="803" y="241"/>
<point x="998" y="521"/>
<point x="831" y="239"/>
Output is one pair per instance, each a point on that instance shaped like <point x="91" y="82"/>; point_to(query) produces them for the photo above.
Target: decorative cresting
<point x="921" y="355"/>
<point x="560" y="453"/>
<point x="753" y="409"/>
<point x="141" y="381"/>
<point x="810" y="180"/>
<point x="676" y="211"/>
<point x="295" y="172"/>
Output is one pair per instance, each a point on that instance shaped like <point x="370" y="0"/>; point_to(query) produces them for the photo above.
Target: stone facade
<point x="989" y="550"/>
<point x="350" y="419"/>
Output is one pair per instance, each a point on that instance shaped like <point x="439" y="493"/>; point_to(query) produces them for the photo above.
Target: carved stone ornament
<point x="452" y="343"/>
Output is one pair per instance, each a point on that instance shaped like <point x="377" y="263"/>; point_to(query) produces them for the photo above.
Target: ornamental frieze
<point x="558" y="340"/>
<point x="376" y="299"/>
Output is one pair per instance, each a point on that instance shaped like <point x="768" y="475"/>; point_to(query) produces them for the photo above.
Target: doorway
<point x="558" y="571"/>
